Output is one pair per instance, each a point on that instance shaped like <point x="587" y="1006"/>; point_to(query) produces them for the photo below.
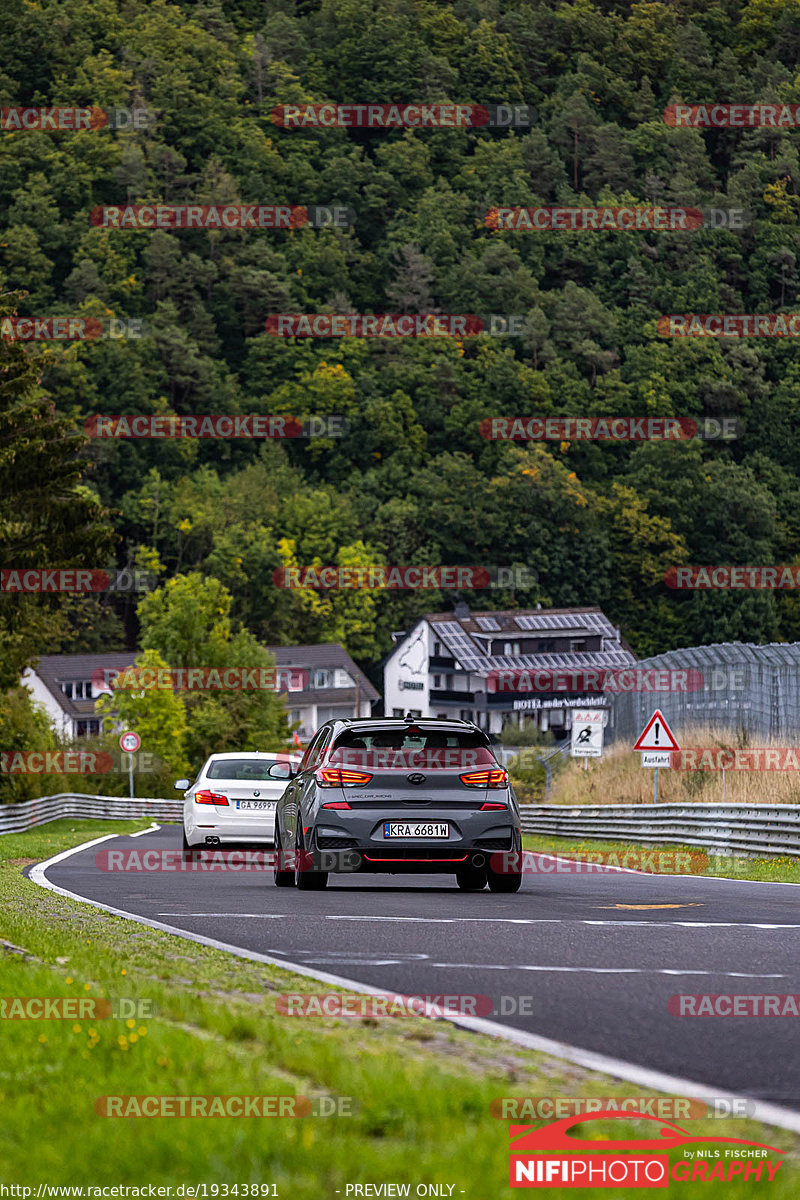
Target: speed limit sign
<point x="130" y="742"/>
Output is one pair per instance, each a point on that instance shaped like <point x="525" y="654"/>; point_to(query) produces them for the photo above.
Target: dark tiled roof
<point x="53" y="669"/>
<point x="323" y="654"/>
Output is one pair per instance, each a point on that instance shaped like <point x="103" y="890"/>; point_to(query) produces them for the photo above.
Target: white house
<point x="442" y="666"/>
<point x="67" y="685"/>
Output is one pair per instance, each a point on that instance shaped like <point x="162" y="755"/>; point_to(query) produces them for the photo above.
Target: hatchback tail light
<point x="339" y="777"/>
<point x="494" y="778"/>
<point x="210" y="798"/>
<point x="336" y="804"/>
<point x="491" y="806"/>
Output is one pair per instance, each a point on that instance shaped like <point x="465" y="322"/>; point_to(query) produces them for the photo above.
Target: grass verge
<point x="619" y="778"/>
<point x="696" y="862"/>
<point x="421" y="1091"/>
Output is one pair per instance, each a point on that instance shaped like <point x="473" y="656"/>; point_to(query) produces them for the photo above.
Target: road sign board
<point x="656" y="758"/>
<point x="130" y="741"/>
<point x="591" y="716"/>
<point x="656" y="735"/>
<point x="587" y="734"/>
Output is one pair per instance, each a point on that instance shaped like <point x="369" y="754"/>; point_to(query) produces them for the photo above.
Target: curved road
<point x="580" y="958"/>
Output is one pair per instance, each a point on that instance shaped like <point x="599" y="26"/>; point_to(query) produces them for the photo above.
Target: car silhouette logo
<point x="554" y="1137"/>
<point x="416" y="778"/>
<point x="256" y="793"/>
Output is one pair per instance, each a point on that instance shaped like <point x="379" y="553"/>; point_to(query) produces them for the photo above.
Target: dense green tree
<point x="412" y="478"/>
<point x="187" y="624"/>
<point x="48" y="516"/>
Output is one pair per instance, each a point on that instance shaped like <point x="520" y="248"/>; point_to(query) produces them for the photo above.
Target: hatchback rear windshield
<point x="414" y="747"/>
<point x="240" y="768"/>
<point x="413" y="738"/>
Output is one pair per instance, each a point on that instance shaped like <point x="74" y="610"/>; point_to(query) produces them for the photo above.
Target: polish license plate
<point x="263" y="805"/>
<point x="416" y="829"/>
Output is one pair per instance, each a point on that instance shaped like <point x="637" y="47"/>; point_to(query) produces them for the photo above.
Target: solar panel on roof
<point x="562" y="621"/>
<point x="460" y="645"/>
<point x="487" y="623"/>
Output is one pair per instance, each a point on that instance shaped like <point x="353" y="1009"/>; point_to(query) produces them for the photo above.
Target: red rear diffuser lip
<point x="461" y="858"/>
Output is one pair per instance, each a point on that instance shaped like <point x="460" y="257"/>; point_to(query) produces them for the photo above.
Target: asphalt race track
<point x="598" y="974"/>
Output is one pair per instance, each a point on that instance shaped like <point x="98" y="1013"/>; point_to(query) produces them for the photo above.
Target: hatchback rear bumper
<point x="346" y="856"/>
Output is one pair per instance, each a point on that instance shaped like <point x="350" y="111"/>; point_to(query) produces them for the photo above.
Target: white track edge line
<point x="150" y="829"/>
<point x="658" y="1081"/>
<point x="601" y="867"/>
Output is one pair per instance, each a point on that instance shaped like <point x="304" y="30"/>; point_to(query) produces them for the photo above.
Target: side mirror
<point x="281" y="771"/>
<point x="182" y="785"/>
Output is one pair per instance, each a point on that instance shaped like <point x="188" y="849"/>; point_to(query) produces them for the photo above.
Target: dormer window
<point x="77" y="689"/>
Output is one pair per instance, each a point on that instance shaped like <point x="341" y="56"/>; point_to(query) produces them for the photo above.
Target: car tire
<point x="507" y="880"/>
<point x="308" y="881"/>
<point x="280" y="878"/>
<point x="312" y="881"/>
<point x="471" y="879"/>
<point x="504" y="883"/>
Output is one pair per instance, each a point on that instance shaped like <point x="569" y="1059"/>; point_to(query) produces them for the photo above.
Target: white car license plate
<point x="416" y="829"/>
<point x="261" y="804"/>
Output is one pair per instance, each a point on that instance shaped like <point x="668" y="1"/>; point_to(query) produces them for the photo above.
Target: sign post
<point x="656" y="743"/>
<point x="130" y="743"/>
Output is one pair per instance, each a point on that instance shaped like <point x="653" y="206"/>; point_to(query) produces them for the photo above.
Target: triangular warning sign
<point x="656" y="735"/>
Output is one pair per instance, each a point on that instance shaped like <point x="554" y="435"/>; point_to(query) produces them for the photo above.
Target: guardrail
<point x="727" y="828"/>
<point x="16" y="818"/>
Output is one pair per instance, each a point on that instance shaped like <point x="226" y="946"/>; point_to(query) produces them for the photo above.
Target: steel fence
<point x="732" y="686"/>
<point x="16" y="818"/>
<point x="725" y="828"/>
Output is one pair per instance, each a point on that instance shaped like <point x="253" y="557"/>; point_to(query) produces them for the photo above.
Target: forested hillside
<point x="412" y="480"/>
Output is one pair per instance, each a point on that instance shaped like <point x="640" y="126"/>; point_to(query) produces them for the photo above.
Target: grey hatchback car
<point x="411" y="796"/>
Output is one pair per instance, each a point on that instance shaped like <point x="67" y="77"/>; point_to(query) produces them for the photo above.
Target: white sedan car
<point x="232" y="801"/>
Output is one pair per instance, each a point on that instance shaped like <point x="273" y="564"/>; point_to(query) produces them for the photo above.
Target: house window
<point x="437" y="681"/>
<point x="398" y="712"/>
<point x="511" y="648"/>
<point x="437" y="649"/>
<point x="577" y="645"/>
<point x="77" y="689"/>
<point x="87" y="728"/>
<point x="321" y="679"/>
<point x="290" y="679"/>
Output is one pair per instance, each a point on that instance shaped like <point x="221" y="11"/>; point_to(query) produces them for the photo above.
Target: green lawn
<point x="421" y="1090"/>
<point x="764" y="870"/>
